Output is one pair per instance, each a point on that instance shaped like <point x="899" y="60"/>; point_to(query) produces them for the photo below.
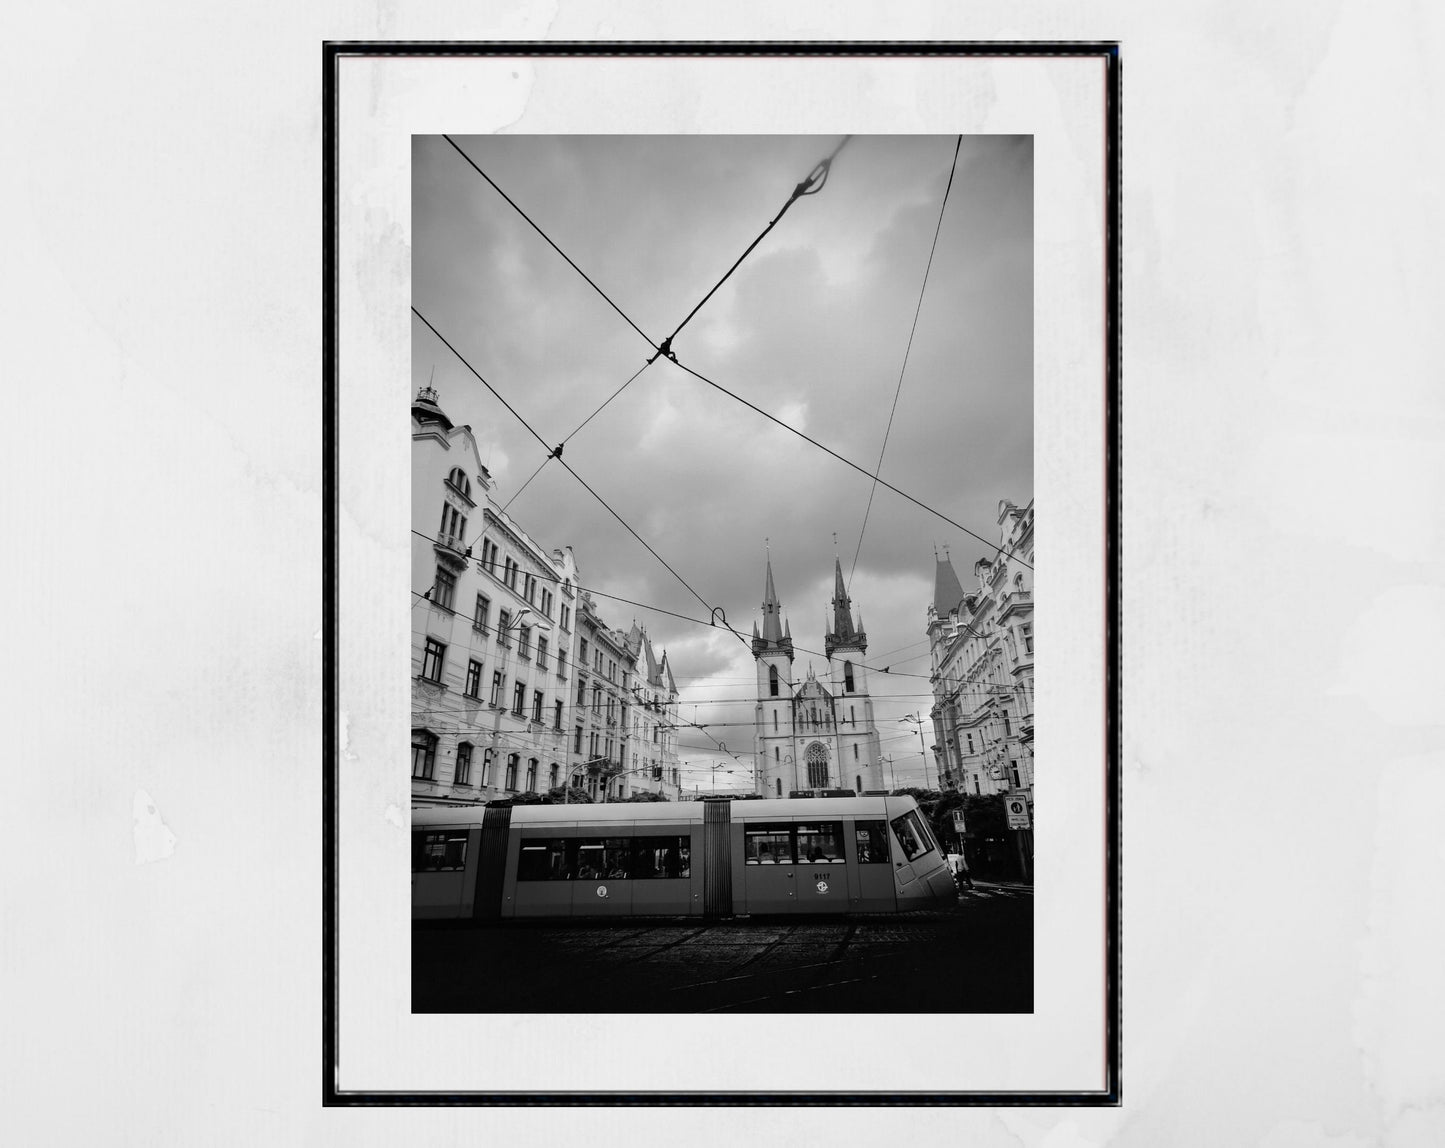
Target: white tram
<point x="710" y="858"/>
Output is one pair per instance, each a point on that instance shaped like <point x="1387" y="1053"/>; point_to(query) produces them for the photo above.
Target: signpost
<point x="958" y="827"/>
<point x="1018" y="813"/>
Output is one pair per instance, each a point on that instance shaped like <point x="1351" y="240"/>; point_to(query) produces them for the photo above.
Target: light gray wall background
<point x="160" y="939"/>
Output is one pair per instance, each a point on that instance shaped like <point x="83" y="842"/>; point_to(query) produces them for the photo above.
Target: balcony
<point x="451" y="550"/>
<point x="1018" y="600"/>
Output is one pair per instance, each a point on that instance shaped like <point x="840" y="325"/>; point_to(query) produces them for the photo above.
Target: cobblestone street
<point x="975" y="958"/>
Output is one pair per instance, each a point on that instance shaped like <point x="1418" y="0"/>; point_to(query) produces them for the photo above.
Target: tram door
<point x="876" y="890"/>
<point x="769" y="870"/>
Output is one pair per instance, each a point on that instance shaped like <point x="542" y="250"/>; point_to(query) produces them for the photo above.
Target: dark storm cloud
<point x="811" y="328"/>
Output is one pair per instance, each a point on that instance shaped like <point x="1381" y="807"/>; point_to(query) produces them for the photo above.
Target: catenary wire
<point x="548" y="238"/>
<point x="849" y="462"/>
<point x="873" y="487"/>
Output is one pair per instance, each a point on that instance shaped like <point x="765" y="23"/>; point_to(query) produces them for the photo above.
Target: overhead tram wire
<point x="462" y="359"/>
<point x="809" y="186"/>
<point x="873" y="488"/>
<point x="849" y="462"/>
<point x="551" y="244"/>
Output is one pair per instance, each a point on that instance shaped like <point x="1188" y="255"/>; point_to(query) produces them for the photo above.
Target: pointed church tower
<point x="859" y="750"/>
<point x="773" y="715"/>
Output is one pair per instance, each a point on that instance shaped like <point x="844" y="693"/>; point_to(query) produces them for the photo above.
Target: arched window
<point x="848" y="676"/>
<point x="486" y="767"/>
<point x="817" y="759"/>
<point x="464" y="763"/>
<point x="779" y="780"/>
<point x="458" y="479"/>
<point x="423" y="754"/>
<point x="858" y="783"/>
<point x="772" y="681"/>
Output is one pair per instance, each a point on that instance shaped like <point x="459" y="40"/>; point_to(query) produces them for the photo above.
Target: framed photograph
<point x="754" y="758"/>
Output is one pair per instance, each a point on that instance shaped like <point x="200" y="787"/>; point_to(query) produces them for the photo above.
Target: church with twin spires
<point x="814" y="733"/>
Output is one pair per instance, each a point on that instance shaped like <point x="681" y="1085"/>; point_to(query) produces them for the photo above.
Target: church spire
<point x="842" y="632"/>
<point x="773" y="636"/>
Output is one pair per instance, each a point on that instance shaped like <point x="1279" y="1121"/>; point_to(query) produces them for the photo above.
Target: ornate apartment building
<point x="492" y="621"/>
<point x="982" y="646"/>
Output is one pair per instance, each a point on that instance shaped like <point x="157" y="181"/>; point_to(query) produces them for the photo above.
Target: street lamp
<point x="502" y="700"/>
<point x="918" y="721"/>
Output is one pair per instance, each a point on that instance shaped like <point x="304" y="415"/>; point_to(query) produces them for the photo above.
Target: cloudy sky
<point x="812" y="327"/>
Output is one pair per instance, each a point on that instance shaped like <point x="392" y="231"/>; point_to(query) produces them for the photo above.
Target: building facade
<point x="653" y="765"/>
<point x="982" y="647"/>
<point x="602" y="704"/>
<point x="492" y="620"/>
<point x="813" y="734"/>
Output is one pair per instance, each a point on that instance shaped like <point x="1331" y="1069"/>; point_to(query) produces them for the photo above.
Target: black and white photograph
<point x="722" y="574"/>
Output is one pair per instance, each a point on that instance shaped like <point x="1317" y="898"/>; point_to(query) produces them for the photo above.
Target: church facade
<point x="813" y="733"/>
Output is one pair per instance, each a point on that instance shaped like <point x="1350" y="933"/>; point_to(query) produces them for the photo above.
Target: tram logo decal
<point x="822" y="886"/>
<point x="602" y="890"/>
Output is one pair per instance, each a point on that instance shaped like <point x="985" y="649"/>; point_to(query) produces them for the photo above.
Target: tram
<point x="712" y="858"/>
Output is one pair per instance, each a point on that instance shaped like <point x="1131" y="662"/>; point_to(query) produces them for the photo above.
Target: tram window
<point x="661" y="857"/>
<point x="821" y="842"/>
<point x="768" y="845"/>
<point x="872" y="840"/>
<point x="438" y="852"/>
<point x="912" y="837"/>
<point x="618" y="858"/>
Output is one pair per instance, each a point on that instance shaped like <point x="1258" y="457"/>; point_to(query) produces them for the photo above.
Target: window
<point x="912" y="837"/>
<point x="582" y="651"/>
<point x="970" y="743"/>
<point x="537" y="705"/>
<point x="820" y="843"/>
<point x="512" y="760"/>
<point x="439" y="852"/>
<point x="1007" y="732"/>
<point x="504" y="622"/>
<point x="577" y="741"/>
<point x="779" y="781"/>
<point x="498" y="683"/>
<point x="529" y="588"/>
<point x="531" y="775"/>
<point x="561" y="663"/>
<point x="489" y="556"/>
<point x="458" y="479"/>
<point x="773" y="683"/>
<point x="767" y="845"/>
<point x="431" y="666"/>
<point x="454" y="525"/>
<point x="519" y="697"/>
<point x="871" y="839"/>
<point x="541" y="651"/>
<point x="524" y="642"/>
<point x="552" y="777"/>
<point x="510" y="570"/>
<point x="597" y="661"/>
<point x="487" y="755"/>
<point x="617" y="858"/>
<point x="1013" y="768"/>
<point x="565" y="618"/>
<point x="857" y="783"/>
<point x="423" y="754"/>
<point x="547" y="603"/>
<point x="482" y="613"/>
<point x="474" y="678"/>
<point x="848" y="677"/>
<point x="976" y="786"/>
<point x="557" y="715"/>
<point x="596" y="701"/>
<point x="446" y="586"/>
<point x="655" y="731"/>
<point x="777" y="754"/>
<point x="1027" y="633"/>
<point x="855" y="751"/>
<point x="852" y="717"/>
<point x="817" y="758"/>
<point x="464" y="763"/>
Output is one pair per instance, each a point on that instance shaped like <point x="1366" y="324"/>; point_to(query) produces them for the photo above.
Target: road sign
<point x="1018" y="813"/>
<point x="958" y="822"/>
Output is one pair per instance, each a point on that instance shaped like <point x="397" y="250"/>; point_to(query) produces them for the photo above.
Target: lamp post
<point x="502" y="700"/>
<point x="918" y="721"/>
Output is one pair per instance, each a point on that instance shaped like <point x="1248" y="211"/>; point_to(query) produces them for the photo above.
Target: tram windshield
<point x="912" y="837"/>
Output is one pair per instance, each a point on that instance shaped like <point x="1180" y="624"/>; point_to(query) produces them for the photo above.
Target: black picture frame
<point x="333" y="56"/>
